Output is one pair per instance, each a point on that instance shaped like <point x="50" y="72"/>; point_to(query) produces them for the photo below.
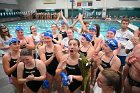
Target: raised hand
<point x="80" y="16"/>
<point x="61" y="12"/>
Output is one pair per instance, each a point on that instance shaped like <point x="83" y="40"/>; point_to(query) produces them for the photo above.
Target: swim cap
<point x="48" y="34"/>
<point x="13" y="40"/>
<point x="93" y="28"/>
<point x="87" y="36"/>
<point x="49" y="31"/>
<point x="18" y="28"/>
<point x="63" y="23"/>
<point x="46" y="84"/>
<point x="112" y="43"/>
<point x="112" y="29"/>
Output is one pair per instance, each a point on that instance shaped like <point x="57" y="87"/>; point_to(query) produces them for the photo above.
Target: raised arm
<point x="58" y="18"/>
<point x="74" y="28"/>
<point x="65" y="20"/>
<point x="80" y="17"/>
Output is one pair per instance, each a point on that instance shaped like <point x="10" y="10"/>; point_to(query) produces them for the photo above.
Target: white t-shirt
<point x="35" y="38"/>
<point x="101" y="36"/>
<point x="65" y="42"/>
<point x="97" y="89"/>
<point x="123" y="37"/>
<point x="5" y="44"/>
<point x="129" y="45"/>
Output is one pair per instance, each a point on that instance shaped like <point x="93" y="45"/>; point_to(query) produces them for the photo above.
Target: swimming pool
<point x="136" y="23"/>
<point x="44" y="25"/>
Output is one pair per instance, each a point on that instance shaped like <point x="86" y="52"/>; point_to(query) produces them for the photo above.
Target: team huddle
<point x="88" y="63"/>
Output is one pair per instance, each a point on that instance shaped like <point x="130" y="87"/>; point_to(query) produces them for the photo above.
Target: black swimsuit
<point x="85" y="53"/>
<point x="73" y="70"/>
<point x="104" y="64"/>
<point x="131" y="81"/>
<point x="51" y="68"/>
<point x="56" y="39"/>
<point x="23" y="46"/>
<point x="33" y="85"/>
<point x="12" y="63"/>
<point x="64" y="34"/>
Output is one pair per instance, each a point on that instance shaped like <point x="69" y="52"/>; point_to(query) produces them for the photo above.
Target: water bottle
<point x="46" y="84"/>
<point x="65" y="79"/>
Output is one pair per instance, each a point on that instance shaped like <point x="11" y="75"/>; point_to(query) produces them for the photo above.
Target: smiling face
<point x="63" y="25"/>
<point x="73" y="47"/>
<point x="20" y="33"/>
<point x="83" y="40"/>
<point x="54" y="28"/>
<point x="15" y="46"/>
<point x="48" y="39"/>
<point x="70" y="33"/>
<point x="33" y="30"/>
<point x="105" y="47"/>
<point x="92" y="32"/>
<point x="26" y="59"/>
<point x="110" y="35"/>
<point x="5" y="31"/>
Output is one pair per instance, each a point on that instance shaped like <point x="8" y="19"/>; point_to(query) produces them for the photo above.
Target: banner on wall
<point x="84" y="4"/>
<point x="49" y="1"/>
<point x="79" y="4"/>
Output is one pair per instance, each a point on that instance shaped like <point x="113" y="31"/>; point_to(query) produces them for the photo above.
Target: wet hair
<point x="126" y="20"/>
<point x="1" y="32"/>
<point x="26" y="52"/>
<point x="78" y="42"/>
<point x="97" y="30"/>
<point x="114" y="79"/>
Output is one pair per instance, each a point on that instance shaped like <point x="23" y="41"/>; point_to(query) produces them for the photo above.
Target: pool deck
<point x="5" y="86"/>
<point x="131" y="26"/>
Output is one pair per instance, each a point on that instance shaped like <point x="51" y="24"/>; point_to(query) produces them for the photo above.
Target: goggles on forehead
<point x="18" y="28"/>
<point x="13" y="40"/>
<point x="112" y="43"/>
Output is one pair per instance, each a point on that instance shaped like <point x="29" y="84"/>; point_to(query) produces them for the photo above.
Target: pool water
<point x="44" y="25"/>
<point x="136" y="23"/>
